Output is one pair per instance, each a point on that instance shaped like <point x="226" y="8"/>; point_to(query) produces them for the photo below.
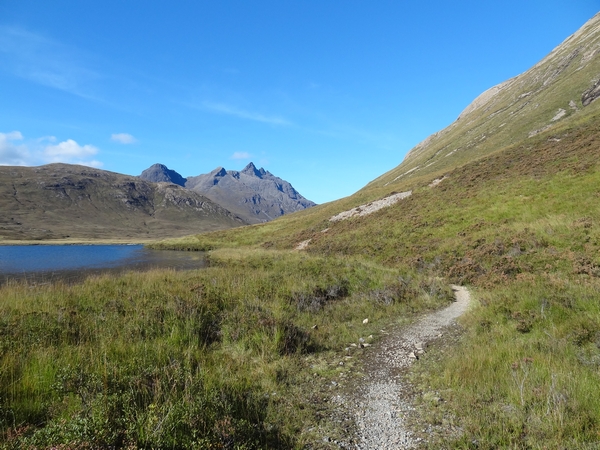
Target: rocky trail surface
<point x="383" y="405"/>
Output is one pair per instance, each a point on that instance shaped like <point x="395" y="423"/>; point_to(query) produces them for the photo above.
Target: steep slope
<point x="158" y="173"/>
<point x="556" y="92"/>
<point x="254" y="194"/>
<point x="60" y="201"/>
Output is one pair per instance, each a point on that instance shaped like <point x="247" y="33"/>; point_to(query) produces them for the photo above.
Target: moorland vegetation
<point x="243" y="354"/>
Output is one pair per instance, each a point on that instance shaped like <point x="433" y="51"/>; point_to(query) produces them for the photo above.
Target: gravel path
<point x="386" y="398"/>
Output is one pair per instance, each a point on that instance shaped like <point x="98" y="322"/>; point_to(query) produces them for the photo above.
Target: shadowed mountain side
<point x="160" y="173"/>
<point x="254" y="194"/>
<point x="59" y="201"/>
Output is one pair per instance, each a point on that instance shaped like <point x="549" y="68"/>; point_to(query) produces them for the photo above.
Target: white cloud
<point x="69" y="149"/>
<point x="123" y="138"/>
<point x="240" y="155"/>
<point x="12" y="154"/>
<point x="223" y="108"/>
<point x="47" y="139"/>
<point x="34" y="152"/>
<point x="13" y="136"/>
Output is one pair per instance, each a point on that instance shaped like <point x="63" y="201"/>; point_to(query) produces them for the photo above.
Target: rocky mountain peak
<point x="253" y="194"/>
<point x="219" y="172"/>
<point x="157" y="173"/>
<point x="251" y="169"/>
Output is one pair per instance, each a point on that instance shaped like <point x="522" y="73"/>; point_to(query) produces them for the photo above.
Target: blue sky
<point x="325" y="94"/>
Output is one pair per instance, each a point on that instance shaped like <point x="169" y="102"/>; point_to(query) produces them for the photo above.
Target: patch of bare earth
<point x="370" y="208"/>
<point x="437" y="181"/>
<point x="303" y="245"/>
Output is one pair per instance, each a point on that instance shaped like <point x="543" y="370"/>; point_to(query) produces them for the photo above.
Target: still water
<point x="73" y="262"/>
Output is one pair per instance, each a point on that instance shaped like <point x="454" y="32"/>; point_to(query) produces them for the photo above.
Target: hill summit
<point x="63" y="201"/>
<point x="158" y="173"/>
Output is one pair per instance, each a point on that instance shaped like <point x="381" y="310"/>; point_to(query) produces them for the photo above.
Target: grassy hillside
<point x="556" y="90"/>
<point x="66" y="202"/>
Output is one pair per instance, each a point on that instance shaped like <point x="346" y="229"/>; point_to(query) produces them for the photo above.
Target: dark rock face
<point x="591" y="94"/>
<point x="253" y="194"/>
<point x="158" y="173"/>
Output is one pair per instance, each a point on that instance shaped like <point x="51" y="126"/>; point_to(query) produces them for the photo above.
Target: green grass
<point x="528" y="369"/>
<point x="223" y="357"/>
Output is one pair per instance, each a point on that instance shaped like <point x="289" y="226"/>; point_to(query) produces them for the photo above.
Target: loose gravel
<point x="385" y="399"/>
<point x="370" y="208"/>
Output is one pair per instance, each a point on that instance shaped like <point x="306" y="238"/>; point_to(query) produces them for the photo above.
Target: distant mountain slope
<point x="254" y="194"/>
<point x="557" y="91"/>
<point x="160" y="173"/>
<point x="66" y="201"/>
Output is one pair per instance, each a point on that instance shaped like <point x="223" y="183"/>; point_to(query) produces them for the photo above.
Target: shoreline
<point x="79" y="242"/>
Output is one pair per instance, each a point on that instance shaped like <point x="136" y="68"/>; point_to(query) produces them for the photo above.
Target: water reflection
<point x="72" y="263"/>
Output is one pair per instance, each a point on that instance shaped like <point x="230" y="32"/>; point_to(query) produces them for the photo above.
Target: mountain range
<point x="70" y="202"/>
<point x="255" y="195"/>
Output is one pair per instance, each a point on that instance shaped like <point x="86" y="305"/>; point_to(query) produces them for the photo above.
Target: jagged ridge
<point x="254" y="194"/>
